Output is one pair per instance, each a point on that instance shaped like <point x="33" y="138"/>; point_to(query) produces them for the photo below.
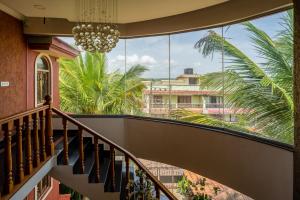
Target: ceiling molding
<point x="11" y="12"/>
<point x="222" y="14"/>
<point x="129" y="11"/>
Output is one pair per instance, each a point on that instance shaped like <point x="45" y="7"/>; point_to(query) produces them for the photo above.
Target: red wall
<point x="12" y="66"/>
<point x="17" y="64"/>
<point x="54" y="193"/>
<point x="55" y="82"/>
<point x="32" y="55"/>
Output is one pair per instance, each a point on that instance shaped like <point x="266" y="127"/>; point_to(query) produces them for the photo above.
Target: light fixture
<point x="97" y="28"/>
<point x="39" y="7"/>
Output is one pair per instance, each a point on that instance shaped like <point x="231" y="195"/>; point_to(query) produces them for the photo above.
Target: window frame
<point x="50" y="78"/>
<point x="46" y="190"/>
<point x="185" y="98"/>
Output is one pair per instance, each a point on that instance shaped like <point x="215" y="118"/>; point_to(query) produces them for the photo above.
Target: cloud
<point x="147" y="60"/>
<point x="135" y="59"/>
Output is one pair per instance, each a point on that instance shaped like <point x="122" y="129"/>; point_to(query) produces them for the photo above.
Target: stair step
<point x="74" y="151"/>
<point x="89" y="160"/>
<point x="73" y="141"/>
<point x="104" y="167"/>
<point x="60" y="146"/>
<point x="123" y="183"/>
<point x="118" y="178"/>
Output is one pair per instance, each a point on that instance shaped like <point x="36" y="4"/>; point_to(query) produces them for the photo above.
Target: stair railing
<point x="158" y="186"/>
<point x="35" y="127"/>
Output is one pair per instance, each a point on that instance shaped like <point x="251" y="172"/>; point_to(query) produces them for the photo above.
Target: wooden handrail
<point x="32" y="140"/>
<point x="155" y="181"/>
<point x="23" y="114"/>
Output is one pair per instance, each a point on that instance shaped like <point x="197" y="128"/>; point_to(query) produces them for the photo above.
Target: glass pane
<point x="150" y="54"/>
<point x="99" y="83"/>
<point x="258" y="64"/>
<point x="192" y="98"/>
<point x="43" y="186"/>
<point x="42" y="63"/>
<point x="42" y="86"/>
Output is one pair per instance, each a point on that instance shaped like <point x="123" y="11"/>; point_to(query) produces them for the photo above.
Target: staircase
<point x="82" y="161"/>
<point x="71" y="175"/>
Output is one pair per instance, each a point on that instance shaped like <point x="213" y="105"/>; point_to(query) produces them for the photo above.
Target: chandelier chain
<point x="97" y="28"/>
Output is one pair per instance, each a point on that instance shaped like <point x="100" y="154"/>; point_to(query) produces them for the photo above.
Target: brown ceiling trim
<point x="226" y="13"/>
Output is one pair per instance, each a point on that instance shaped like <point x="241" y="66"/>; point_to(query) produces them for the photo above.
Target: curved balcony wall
<point x="259" y="168"/>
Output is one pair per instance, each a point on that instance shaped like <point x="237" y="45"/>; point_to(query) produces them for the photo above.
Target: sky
<point x="153" y="52"/>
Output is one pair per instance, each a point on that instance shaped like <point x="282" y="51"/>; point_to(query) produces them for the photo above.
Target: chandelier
<point x="97" y="28"/>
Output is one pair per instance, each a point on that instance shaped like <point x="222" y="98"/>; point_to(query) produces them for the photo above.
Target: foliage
<point x="202" y="196"/>
<point x="184" y="186"/>
<point x="87" y="87"/>
<point x="261" y="91"/>
<point x="141" y="189"/>
<point x="63" y="189"/>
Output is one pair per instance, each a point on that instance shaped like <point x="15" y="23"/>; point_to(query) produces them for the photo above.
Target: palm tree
<point x="86" y="86"/>
<point x="263" y="92"/>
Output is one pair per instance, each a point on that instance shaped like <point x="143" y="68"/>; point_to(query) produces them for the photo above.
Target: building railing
<point x="187" y="105"/>
<point x="39" y="147"/>
<point x="36" y="125"/>
<point x="214" y="105"/>
<point x="158" y="186"/>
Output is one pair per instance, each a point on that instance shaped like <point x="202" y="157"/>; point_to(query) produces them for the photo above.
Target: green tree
<point x="261" y="91"/>
<point x="87" y="87"/>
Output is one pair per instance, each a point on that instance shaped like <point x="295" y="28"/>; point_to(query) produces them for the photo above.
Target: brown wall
<point x="246" y="165"/>
<point x="17" y="64"/>
<point x="12" y="66"/>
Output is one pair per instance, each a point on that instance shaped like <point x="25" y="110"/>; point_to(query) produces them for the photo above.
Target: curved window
<point x="42" y="86"/>
<point x="236" y="77"/>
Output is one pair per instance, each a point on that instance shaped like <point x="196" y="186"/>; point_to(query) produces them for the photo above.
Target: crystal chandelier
<point x="97" y="29"/>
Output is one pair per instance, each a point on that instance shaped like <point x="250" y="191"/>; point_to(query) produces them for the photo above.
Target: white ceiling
<point x="128" y="10"/>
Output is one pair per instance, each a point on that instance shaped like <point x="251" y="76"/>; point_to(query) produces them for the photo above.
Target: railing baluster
<point x="28" y="144"/>
<point x="142" y="186"/>
<point x="36" y="145"/>
<point x="20" y="164"/>
<point x="127" y="176"/>
<point x="81" y="151"/>
<point x="112" y="168"/>
<point x="42" y="135"/>
<point x="9" y="183"/>
<point x="157" y="192"/>
<point x="66" y="146"/>
<point x="49" y="130"/>
<point x="97" y="161"/>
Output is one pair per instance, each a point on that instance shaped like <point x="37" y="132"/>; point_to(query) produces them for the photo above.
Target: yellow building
<point x="184" y="92"/>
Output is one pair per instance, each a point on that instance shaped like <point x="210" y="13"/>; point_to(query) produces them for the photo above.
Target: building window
<point x="43" y="186"/>
<point x="157" y="99"/>
<point x="213" y="99"/>
<point x="184" y="99"/>
<point x="193" y="81"/>
<point x="42" y="79"/>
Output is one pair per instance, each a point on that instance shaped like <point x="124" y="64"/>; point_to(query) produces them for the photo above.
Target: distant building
<point x="162" y="96"/>
<point x="169" y="175"/>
